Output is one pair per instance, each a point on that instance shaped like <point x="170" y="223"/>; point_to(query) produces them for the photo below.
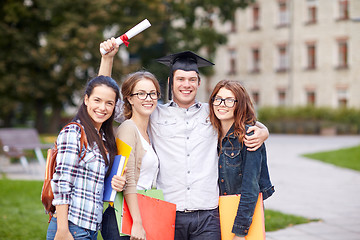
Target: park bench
<point x="15" y="141"/>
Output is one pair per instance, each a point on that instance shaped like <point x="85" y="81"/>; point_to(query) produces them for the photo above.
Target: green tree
<point x="50" y="49"/>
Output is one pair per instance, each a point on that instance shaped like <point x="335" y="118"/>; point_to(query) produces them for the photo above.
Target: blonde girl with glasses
<point x="240" y="171"/>
<point x="140" y="92"/>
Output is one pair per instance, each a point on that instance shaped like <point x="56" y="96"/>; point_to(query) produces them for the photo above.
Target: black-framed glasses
<point x="229" y="102"/>
<point x="144" y="95"/>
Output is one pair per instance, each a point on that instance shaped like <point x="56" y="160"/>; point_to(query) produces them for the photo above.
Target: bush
<point x="310" y="120"/>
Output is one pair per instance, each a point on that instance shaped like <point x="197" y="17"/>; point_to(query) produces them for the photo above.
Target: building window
<point x="255" y="55"/>
<point x="283" y="64"/>
<point x="342" y="94"/>
<point x="281" y="97"/>
<point x="232" y="63"/>
<point x="311" y="11"/>
<point x="342" y="53"/>
<point x="255" y="97"/>
<point x="283" y="13"/>
<point x="343" y="9"/>
<point x="311" y="56"/>
<point x="310" y="97"/>
<point x="255" y="17"/>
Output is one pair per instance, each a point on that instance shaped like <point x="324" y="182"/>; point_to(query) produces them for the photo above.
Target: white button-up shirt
<point x="186" y="144"/>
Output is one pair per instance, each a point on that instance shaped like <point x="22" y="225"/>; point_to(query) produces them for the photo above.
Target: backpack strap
<point x="83" y="139"/>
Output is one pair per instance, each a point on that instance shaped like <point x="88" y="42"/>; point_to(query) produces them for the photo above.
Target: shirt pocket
<point x="93" y="161"/>
<point x="233" y="157"/>
<point x="205" y="129"/>
<point x="166" y="128"/>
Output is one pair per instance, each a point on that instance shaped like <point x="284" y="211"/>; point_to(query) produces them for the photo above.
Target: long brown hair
<point x="244" y="112"/>
<point x="129" y="84"/>
<point x="106" y="127"/>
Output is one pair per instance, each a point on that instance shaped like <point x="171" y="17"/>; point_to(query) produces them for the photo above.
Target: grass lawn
<point x="22" y="214"/>
<point x="345" y="157"/>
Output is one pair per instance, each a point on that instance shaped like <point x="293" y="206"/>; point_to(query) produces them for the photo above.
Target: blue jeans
<point x="110" y="229"/>
<point x="77" y="232"/>
<point x="199" y="225"/>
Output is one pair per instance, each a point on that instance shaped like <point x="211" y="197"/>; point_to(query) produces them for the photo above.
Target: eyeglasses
<point x="229" y="102"/>
<point x="144" y="95"/>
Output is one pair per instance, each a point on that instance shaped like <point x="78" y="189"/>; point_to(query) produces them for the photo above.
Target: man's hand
<point x="255" y="141"/>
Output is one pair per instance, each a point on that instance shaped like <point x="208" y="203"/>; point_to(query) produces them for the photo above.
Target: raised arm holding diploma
<point x="129" y="34"/>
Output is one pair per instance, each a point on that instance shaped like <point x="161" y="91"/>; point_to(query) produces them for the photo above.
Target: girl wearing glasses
<point x="240" y="171"/>
<point x="140" y="91"/>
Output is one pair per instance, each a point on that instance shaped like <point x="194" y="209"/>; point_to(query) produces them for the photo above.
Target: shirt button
<point x="187" y="138"/>
<point x="188" y="172"/>
<point x="187" y="122"/>
<point x="188" y="188"/>
<point x="188" y="155"/>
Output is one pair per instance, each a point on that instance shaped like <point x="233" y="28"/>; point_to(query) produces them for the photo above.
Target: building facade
<point x="293" y="53"/>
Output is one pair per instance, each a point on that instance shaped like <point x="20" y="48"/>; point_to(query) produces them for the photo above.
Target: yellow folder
<point x="228" y="206"/>
<point x="124" y="150"/>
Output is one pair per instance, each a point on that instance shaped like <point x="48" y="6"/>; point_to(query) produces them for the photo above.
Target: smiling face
<point x="143" y="107"/>
<point x="185" y="86"/>
<point x="100" y="104"/>
<point x="222" y="112"/>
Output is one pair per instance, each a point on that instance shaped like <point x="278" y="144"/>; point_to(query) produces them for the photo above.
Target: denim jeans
<point x="110" y="229"/>
<point x="198" y="225"/>
<point x="77" y="232"/>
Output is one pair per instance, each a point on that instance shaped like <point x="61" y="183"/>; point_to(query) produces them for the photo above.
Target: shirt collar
<point x="230" y="133"/>
<point x="195" y="105"/>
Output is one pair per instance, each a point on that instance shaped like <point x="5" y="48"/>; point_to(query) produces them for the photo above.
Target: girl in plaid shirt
<point x="78" y="185"/>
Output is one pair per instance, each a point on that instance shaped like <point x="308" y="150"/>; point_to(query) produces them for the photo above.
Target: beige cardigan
<point x="128" y="133"/>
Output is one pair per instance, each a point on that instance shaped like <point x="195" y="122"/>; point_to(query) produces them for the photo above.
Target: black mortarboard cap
<point x="187" y="61"/>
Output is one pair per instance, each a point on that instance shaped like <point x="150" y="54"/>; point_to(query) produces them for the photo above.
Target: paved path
<point x="304" y="187"/>
<point x="313" y="189"/>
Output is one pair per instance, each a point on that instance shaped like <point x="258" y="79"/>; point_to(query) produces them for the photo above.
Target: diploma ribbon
<point x="125" y="39"/>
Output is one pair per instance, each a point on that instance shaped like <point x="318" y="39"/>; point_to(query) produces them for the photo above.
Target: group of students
<point x="193" y="151"/>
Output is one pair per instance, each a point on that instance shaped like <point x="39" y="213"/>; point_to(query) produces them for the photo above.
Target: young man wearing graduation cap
<point x="186" y="145"/>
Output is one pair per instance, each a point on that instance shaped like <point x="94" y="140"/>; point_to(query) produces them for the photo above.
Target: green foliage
<point x="346" y="157"/>
<point x="22" y="214"/>
<point x="275" y="220"/>
<point x="50" y="49"/>
<point x="310" y="120"/>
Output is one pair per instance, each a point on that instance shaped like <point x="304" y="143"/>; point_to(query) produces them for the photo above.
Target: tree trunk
<point x="40" y="122"/>
<point x="55" y="120"/>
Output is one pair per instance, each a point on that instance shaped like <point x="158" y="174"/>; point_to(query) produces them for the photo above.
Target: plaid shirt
<point x="79" y="184"/>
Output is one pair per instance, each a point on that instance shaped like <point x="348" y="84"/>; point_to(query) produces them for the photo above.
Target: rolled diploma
<point x="131" y="33"/>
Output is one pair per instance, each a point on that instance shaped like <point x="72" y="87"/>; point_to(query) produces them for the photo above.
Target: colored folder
<point x="118" y="168"/>
<point x="228" y="206"/>
<point x="158" y="216"/>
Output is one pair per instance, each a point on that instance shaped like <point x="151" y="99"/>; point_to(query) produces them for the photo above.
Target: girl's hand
<point x="137" y="232"/>
<point x="110" y="47"/>
<point x="238" y="238"/>
<point x="118" y="182"/>
<point x="63" y="235"/>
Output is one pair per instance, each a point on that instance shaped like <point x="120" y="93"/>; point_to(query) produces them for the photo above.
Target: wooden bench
<point x="14" y="142"/>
